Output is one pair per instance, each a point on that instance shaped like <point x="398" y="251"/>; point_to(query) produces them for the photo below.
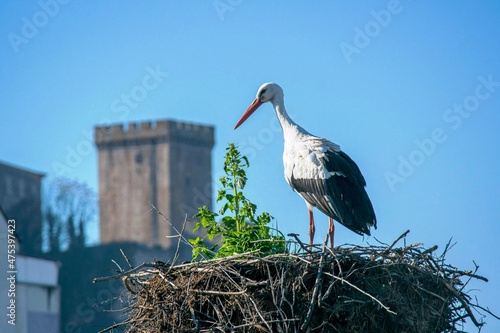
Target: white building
<point x="29" y="290"/>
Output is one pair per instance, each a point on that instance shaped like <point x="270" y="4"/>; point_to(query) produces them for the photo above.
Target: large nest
<point x="347" y="289"/>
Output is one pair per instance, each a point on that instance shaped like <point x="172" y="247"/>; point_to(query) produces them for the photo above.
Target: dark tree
<point x="69" y="206"/>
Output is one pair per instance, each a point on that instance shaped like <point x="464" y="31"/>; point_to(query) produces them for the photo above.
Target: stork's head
<point x="267" y="92"/>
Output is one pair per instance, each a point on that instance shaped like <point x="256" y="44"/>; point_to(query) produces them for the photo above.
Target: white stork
<point x="322" y="174"/>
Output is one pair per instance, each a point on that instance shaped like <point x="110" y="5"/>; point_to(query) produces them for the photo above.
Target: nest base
<point x="347" y="289"/>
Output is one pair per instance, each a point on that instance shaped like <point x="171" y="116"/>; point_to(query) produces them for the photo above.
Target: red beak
<point x="251" y="109"/>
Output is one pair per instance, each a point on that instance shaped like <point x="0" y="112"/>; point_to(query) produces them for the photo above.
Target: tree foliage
<point x="69" y="206"/>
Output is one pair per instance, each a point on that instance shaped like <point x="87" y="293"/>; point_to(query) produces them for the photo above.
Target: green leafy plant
<point x="239" y="230"/>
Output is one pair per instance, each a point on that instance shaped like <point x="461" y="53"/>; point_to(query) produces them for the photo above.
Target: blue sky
<point x="409" y="89"/>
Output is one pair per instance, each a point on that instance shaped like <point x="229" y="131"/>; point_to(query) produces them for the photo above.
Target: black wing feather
<point x="342" y="196"/>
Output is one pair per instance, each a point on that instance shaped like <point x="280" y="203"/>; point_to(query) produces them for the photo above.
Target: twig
<point x="117" y="325"/>
<point x="126" y="258"/>
<point x="125" y="273"/>
<point x="486" y="310"/>
<point x="216" y="292"/>
<point x="302" y="246"/>
<point x="362" y="291"/>
<point x="116" y="264"/>
<point x="179" y="234"/>
<point x="465" y="304"/>
<point x="316" y="288"/>
<point x="393" y="243"/>
<point x="177" y="250"/>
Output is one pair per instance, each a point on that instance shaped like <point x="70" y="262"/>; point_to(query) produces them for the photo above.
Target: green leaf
<point x="242" y="231"/>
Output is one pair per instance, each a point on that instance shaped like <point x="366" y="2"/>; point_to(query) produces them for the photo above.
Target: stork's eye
<point x="262" y="92"/>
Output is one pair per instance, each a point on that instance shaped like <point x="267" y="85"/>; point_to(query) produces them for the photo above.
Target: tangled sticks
<point x="348" y="289"/>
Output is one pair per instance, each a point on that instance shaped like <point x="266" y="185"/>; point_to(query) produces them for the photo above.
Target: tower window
<point x="138" y="158"/>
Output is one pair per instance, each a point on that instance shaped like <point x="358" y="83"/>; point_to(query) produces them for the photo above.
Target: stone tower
<point x="167" y="164"/>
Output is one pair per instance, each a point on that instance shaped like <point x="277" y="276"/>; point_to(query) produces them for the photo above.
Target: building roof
<point x="22" y="169"/>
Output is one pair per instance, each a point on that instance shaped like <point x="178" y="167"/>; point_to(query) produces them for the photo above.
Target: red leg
<point x="312" y="228"/>
<point x="331" y="231"/>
